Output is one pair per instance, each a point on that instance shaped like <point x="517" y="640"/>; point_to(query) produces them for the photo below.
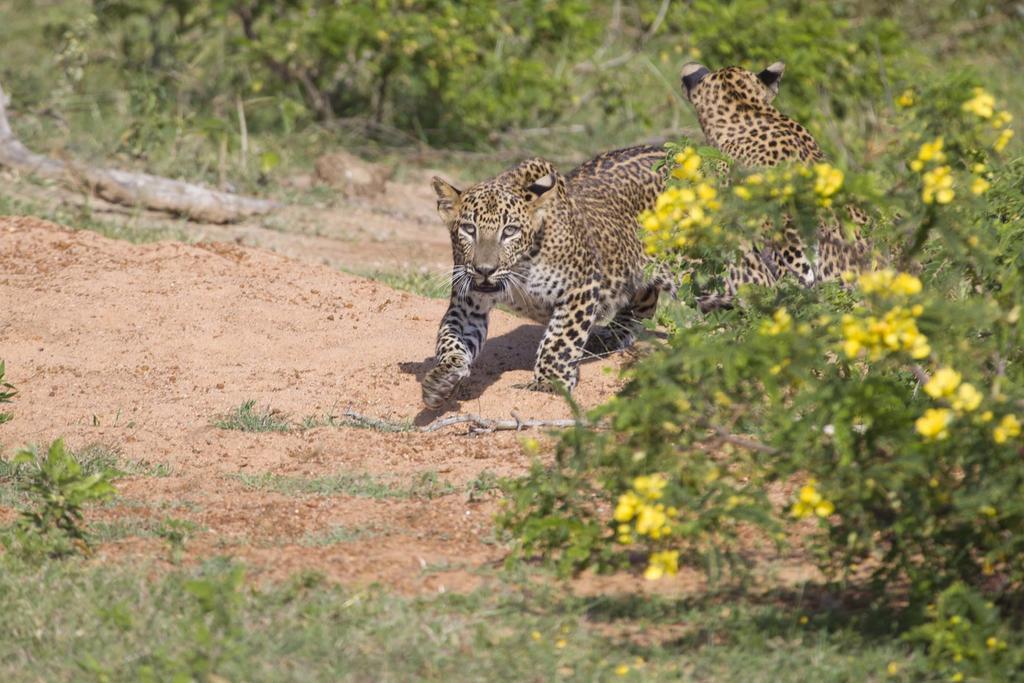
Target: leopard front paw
<point x="546" y="385"/>
<point x="441" y="382"/>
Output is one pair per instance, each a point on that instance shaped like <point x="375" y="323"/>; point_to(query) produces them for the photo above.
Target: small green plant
<point x="59" y="489"/>
<point x="429" y="485"/>
<point x="482" y="485"/>
<point x="7" y="392"/>
<point x="176" y="532"/>
<point x="248" y="418"/>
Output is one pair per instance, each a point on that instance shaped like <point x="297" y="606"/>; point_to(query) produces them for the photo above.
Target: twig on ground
<point x="481" y="425"/>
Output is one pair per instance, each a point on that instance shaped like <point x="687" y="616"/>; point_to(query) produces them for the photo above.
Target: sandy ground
<point x="141" y="347"/>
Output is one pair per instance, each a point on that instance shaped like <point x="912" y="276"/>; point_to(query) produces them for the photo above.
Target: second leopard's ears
<point x="692" y="74"/>
<point x="447" y="196"/>
<point x="771" y="76"/>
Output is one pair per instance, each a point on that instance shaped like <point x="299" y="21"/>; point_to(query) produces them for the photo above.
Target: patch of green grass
<point x="344" y="484"/>
<point x="174" y="531"/>
<point x="248" y="418"/>
<point x="361" y="485"/>
<point x="337" y="533"/>
<point x="130" y="229"/>
<point x="430" y="285"/>
<point x="133" y="527"/>
<point x="430" y="485"/>
<point x="99" y="457"/>
<point x="357" y="422"/>
<point x="123" y="625"/>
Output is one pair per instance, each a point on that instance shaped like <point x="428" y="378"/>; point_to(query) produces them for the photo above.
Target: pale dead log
<point x="132" y="189"/>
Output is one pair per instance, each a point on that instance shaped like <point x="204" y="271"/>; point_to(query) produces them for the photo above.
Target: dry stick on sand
<point x="125" y="187"/>
<point x="477" y="424"/>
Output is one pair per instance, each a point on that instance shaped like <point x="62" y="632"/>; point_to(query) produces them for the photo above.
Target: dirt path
<point x="141" y="347"/>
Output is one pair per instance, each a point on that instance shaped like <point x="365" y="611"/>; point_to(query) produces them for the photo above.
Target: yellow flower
<point x="781" y="322"/>
<point x="662" y="563"/>
<point x="754" y="179"/>
<point x="906" y="284"/>
<point x="1003" y="140"/>
<point x="622" y="670"/>
<point x="561" y="643"/>
<point x="688" y="165"/>
<point x="906" y="99"/>
<point x="1008" y="428"/>
<point x="742" y="192"/>
<point x="887" y="282"/>
<point x="1001" y="119"/>
<point x="991" y="642"/>
<point x="938" y="186"/>
<point x="943" y="383"/>
<point x="650" y="486"/>
<point x="827" y="181"/>
<point x="932" y="425"/>
<point x="980" y="186"/>
<point x="809" y="495"/>
<point x="535" y="635"/>
<point x="932" y="151"/>
<point x="626" y="507"/>
<point x="982" y="104"/>
<point x="967" y="398"/>
<point x="893" y="668"/>
<point x="650" y="521"/>
<point x="809" y="502"/>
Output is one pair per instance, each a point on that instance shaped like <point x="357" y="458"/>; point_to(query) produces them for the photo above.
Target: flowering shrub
<point x="966" y="639"/>
<point x="884" y="410"/>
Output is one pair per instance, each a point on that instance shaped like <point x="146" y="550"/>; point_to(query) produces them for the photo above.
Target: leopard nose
<point x="486" y="271"/>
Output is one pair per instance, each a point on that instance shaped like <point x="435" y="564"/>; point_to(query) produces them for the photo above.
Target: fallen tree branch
<point x="132" y="189"/>
<point x="483" y="425"/>
<point x="477" y="424"/>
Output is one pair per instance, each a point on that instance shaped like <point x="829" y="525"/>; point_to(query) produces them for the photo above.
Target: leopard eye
<point x="510" y="231"/>
<point x="469" y="229"/>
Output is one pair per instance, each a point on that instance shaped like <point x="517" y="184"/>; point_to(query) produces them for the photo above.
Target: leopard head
<point x="730" y="87"/>
<point x="496" y="225"/>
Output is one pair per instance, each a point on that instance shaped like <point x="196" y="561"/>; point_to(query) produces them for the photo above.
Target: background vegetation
<point x="917" y="524"/>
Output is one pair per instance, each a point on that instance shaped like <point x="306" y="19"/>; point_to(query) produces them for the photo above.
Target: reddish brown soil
<point x="141" y="347"/>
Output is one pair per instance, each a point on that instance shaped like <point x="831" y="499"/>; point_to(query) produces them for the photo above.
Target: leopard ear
<point x="771" y="76"/>
<point x="692" y="74"/>
<point x="447" y="196"/>
<point x="541" y="186"/>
